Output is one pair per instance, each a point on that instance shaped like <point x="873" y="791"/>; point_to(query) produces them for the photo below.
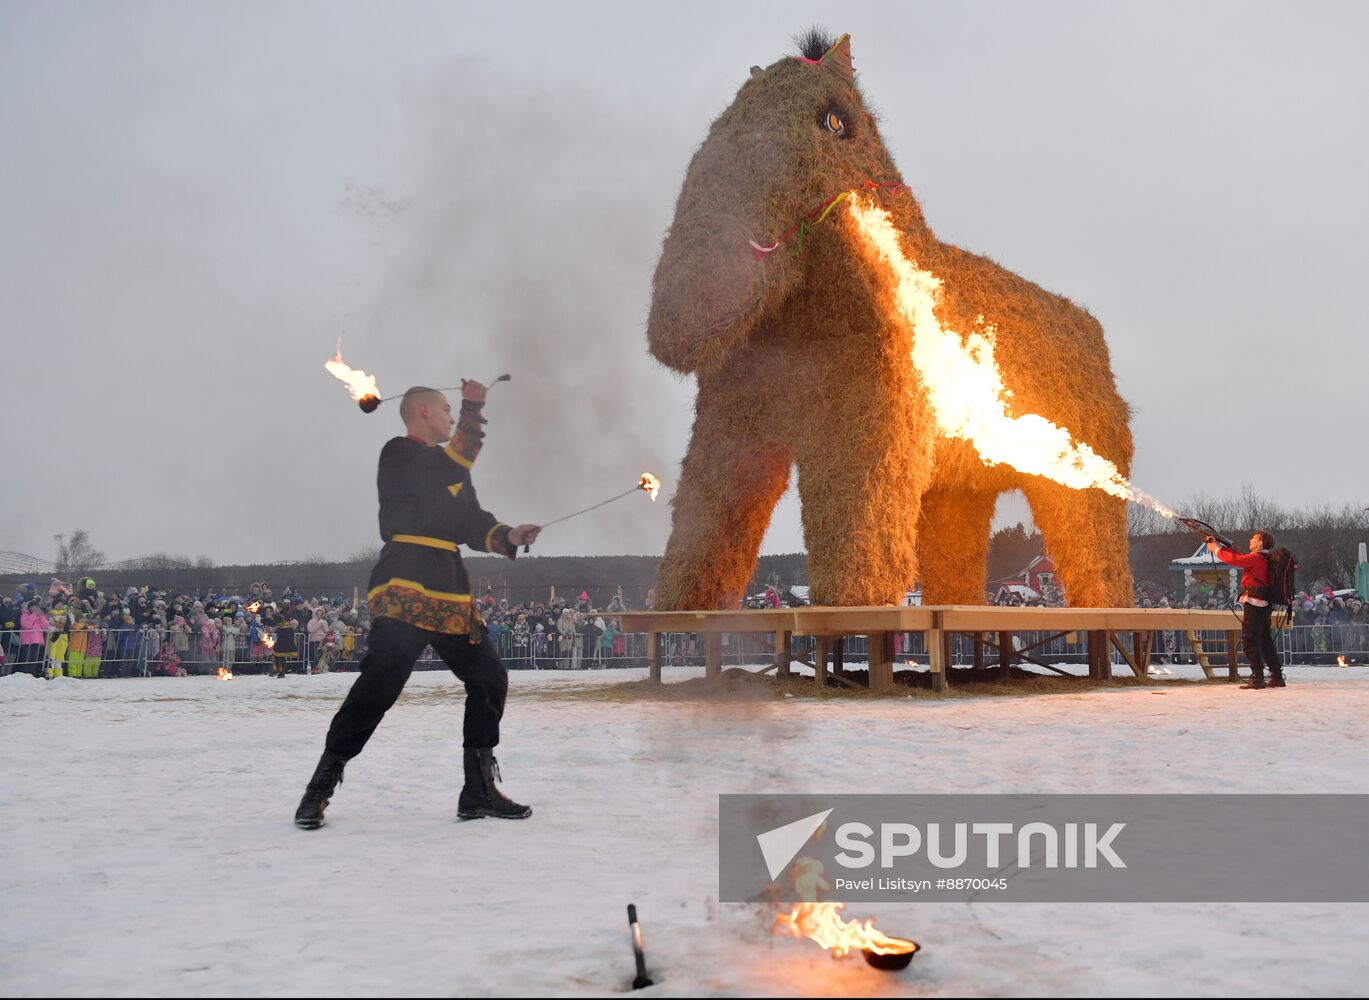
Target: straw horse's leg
<point x="861" y="484"/>
<point x="729" y="484"/>
<point x="1085" y="532"/>
<point x="953" y="544"/>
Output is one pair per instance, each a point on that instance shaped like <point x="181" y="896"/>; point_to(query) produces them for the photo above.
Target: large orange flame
<point x="268" y="640"/>
<point x="650" y="484"/>
<point x="1341" y="660"/>
<point x="225" y="674"/>
<point x="823" y="923"/>
<point x="965" y="387"/>
<point x="359" y="384"/>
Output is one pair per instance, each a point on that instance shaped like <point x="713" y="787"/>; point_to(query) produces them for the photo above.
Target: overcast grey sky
<point x="198" y="199"/>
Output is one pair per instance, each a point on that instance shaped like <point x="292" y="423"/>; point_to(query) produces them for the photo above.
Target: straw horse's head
<point x="797" y="135"/>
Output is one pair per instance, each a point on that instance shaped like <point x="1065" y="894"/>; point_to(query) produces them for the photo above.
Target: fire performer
<point x="419" y="595"/>
<point x="1256" y="594"/>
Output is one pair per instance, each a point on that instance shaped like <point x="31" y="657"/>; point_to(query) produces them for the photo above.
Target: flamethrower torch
<point x="1206" y="530"/>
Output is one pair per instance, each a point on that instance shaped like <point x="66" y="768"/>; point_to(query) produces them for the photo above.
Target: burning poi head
<point x="361" y="385"/>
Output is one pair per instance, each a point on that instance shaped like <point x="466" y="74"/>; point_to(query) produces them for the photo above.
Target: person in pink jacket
<point x="315" y="632"/>
<point x="33" y="637"/>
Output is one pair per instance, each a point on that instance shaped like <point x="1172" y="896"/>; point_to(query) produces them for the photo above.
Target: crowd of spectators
<point x="83" y="631"/>
<point x="562" y="634"/>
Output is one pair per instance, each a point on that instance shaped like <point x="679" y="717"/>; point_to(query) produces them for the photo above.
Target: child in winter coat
<point x="167" y="662"/>
<point x="33" y="634"/>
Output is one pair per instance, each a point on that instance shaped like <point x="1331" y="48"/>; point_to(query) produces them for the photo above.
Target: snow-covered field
<point x="146" y="844"/>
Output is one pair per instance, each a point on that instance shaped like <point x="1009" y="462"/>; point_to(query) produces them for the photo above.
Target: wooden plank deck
<point x="1106" y="629"/>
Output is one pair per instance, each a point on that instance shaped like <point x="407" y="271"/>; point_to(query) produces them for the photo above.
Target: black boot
<point x="481" y="796"/>
<point x="327" y="776"/>
<point x="1256" y="679"/>
<point x="1276" y="677"/>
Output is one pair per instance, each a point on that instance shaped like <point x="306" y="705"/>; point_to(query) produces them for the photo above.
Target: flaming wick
<point x="648" y="484"/>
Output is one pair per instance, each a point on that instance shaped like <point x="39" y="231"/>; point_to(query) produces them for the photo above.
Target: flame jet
<point x="766" y="291"/>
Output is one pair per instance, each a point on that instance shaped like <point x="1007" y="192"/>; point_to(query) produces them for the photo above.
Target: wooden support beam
<point x="979" y="650"/>
<point x="1100" y="660"/>
<point x="881" y="661"/>
<point x="1120" y="646"/>
<point x="838" y="654"/>
<point x="820" y="654"/>
<point x="1140" y="648"/>
<point x="783" y="652"/>
<point x="939" y="655"/>
<point x="655" y="655"/>
<point x="713" y="654"/>
<point x="1004" y="653"/>
<point x="1042" y="663"/>
<point x="1233" y="649"/>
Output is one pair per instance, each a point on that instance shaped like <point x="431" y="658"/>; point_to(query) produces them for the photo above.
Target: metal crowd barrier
<point x="138" y="652"/>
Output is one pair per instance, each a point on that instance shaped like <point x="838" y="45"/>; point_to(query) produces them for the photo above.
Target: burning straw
<point x="965" y="386"/>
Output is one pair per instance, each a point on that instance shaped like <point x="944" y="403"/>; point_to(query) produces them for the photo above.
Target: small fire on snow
<point x="1341" y="661"/>
<point x="823" y="923"/>
<point x="225" y="674"/>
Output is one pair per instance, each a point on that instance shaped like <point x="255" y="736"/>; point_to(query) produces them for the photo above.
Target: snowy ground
<point x="148" y="848"/>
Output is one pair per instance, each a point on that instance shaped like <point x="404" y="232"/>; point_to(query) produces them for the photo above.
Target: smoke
<point x="526" y="244"/>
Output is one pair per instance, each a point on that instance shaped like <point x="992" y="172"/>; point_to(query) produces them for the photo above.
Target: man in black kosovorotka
<point x="420" y="595"/>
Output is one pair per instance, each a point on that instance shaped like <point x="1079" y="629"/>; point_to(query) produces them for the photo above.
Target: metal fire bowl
<point x="892" y="963"/>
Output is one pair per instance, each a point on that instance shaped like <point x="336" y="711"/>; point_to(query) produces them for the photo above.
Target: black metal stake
<point x="642" y="981"/>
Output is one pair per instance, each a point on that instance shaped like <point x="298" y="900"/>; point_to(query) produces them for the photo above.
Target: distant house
<point x="1035" y="580"/>
<point x="1203" y="567"/>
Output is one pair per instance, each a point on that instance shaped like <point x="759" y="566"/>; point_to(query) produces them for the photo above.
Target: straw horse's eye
<point x="834" y="119"/>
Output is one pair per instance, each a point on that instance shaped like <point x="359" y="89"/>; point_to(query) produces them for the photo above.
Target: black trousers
<point x="1258" y="641"/>
<point x="393" y="649"/>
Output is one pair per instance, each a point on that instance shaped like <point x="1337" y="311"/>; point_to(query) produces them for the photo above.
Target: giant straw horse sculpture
<point x="800" y="363"/>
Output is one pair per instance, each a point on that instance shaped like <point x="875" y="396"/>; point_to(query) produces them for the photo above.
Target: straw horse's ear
<point x="838" y="59"/>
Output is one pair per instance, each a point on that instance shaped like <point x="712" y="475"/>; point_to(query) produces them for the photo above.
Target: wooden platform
<point x="1127" y="630"/>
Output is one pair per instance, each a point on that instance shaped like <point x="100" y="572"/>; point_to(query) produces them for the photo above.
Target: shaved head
<point x="413" y="399"/>
<point x="427" y="414"/>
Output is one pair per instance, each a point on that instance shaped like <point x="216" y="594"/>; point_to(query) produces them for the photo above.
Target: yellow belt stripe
<point x="414" y="585"/>
<point x="432" y="543"/>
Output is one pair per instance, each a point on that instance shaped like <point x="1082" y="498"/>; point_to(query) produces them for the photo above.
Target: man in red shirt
<point x="1256" y="638"/>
